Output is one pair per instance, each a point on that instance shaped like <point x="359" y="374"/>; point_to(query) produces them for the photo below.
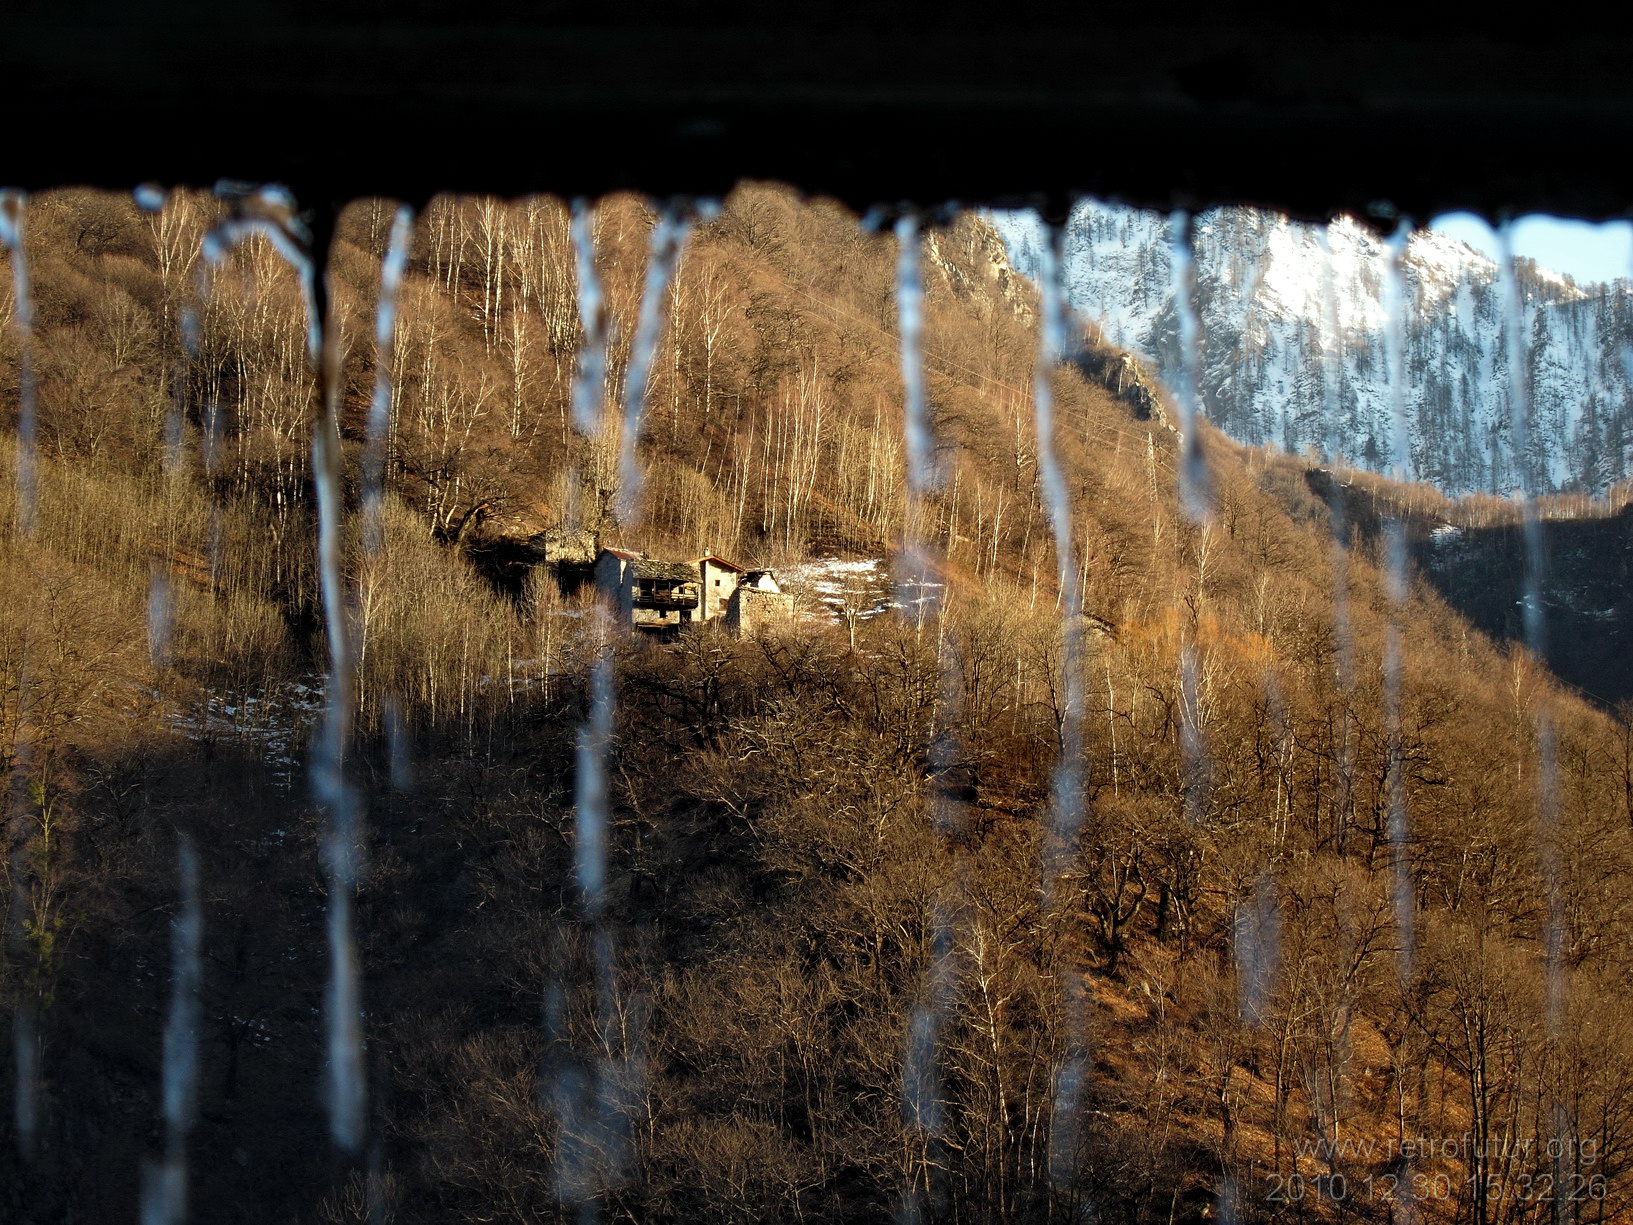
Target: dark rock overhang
<point x="1183" y="104"/>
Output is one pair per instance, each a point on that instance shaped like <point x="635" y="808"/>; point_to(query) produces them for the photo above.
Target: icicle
<point x="338" y="799"/>
<point x="1066" y="817"/>
<point x="159" y="612"/>
<point x="343" y="1006"/>
<point x="1060" y="840"/>
<point x="345" y="1090"/>
<point x="385" y="335"/>
<point x="1193" y="465"/>
<point x="667" y="237"/>
<point x="25" y="1035"/>
<point x="921" y="1078"/>
<point x="590" y="792"/>
<point x="1394" y="304"/>
<point x="271" y="212"/>
<point x="160" y="594"/>
<point x="1395" y="332"/>
<point x="914" y="587"/>
<point x="589" y="385"/>
<point x="151" y="198"/>
<point x="12" y="205"/>
<point x="26" y="1054"/>
<point x="1331" y="349"/>
<point x="1256" y="936"/>
<point x="375" y="442"/>
<point x="1256" y="927"/>
<point x="921" y="1088"/>
<point x="593" y="1100"/>
<point x="1194" y="497"/>
<point x="1401" y="889"/>
<point x="1536" y="638"/>
<point x="1624" y="460"/>
<point x="1193" y="745"/>
<point x="590" y="1100"/>
<point x="1068" y="1104"/>
<point x="164" y="1190"/>
<point x="557" y="1085"/>
<point x="1551" y="860"/>
<point x="1526" y="478"/>
<point x="400" y="761"/>
<point x="921" y="468"/>
<point x="915" y="590"/>
<point x="1343" y="632"/>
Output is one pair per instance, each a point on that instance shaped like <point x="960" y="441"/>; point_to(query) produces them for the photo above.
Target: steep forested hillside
<point x="837" y="977"/>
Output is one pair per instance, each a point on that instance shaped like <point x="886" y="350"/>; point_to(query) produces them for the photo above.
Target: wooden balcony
<point x="665" y="599"/>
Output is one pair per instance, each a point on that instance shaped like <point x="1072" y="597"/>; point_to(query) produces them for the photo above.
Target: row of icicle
<point x="586" y="1095"/>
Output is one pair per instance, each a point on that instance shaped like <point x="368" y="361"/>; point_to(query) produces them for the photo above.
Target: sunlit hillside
<point x="1346" y="883"/>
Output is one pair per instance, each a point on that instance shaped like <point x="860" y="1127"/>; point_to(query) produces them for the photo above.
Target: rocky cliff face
<point x="1292" y="342"/>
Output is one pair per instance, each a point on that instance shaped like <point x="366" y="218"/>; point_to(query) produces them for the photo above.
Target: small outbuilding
<point x="757" y="602"/>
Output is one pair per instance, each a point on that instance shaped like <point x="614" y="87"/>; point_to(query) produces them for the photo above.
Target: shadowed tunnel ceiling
<point x="1193" y="106"/>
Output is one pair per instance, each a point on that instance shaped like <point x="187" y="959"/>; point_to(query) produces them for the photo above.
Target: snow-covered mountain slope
<point x="1293" y="321"/>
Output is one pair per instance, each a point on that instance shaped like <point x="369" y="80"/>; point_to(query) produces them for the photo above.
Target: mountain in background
<point x="1293" y="342"/>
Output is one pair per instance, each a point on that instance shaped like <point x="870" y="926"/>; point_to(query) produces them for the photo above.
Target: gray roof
<point x="670" y="571"/>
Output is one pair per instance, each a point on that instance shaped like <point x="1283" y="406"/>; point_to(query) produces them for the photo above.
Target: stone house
<point x="662" y="596"/>
<point x="648" y="594"/>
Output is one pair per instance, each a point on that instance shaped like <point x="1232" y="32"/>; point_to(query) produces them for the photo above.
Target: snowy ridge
<point x="1274" y="355"/>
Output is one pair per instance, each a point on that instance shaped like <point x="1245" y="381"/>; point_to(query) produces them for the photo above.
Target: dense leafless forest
<point x="836" y="989"/>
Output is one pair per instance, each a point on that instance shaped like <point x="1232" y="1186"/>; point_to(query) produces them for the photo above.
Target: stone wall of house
<point x="751" y="609"/>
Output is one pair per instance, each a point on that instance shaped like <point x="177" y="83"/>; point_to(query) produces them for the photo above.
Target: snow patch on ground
<point x="275" y="722"/>
<point x="862" y="588"/>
